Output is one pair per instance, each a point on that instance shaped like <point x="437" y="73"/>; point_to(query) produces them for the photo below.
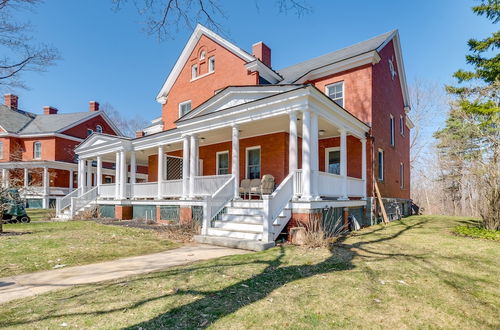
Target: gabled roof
<point x="13" y="121"/>
<point x="188" y="49"/>
<point x="293" y="73"/>
<point x="55" y="123"/>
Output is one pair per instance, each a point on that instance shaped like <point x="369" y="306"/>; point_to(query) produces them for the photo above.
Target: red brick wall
<point x="229" y="70"/>
<point x="353" y="154"/>
<point x="357" y="90"/>
<point x="80" y="131"/>
<point x="388" y="99"/>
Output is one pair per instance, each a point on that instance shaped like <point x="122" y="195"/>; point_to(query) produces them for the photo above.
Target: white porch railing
<point x="355" y="187"/>
<point x="297" y="182"/>
<point x="39" y="190"/>
<point x="217" y="201"/>
<point x="144" y="190"/>
<point x="65" y="201"/>
<point x="107" y="190"/>
<point x="329" y="184"/>
<point x="208" y="185"/>
<point x="172" y="188"/>
<point x="274" y="205"/>
<point x="83" y="200"/>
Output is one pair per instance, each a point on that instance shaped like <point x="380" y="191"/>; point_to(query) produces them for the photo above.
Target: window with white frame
<point x="401" y="126"/>
<point x="392" y="130"/>
<point x="332" y="160"/>
<point x="98" y="129"/>
<point x="184" y="108"/>
<point x="211" y="64"/>
<point x="336" y="92"/>
<point x="89" y="131"/>
<point x="401" y="175"/>
<point x="253" y="163"/>
<point x="202" y="55"/>
<point x="1" y="150"/>
<point x="222" y="163"/>
<point x="380" y="165"/>
<point x="37" y="150"/>
<point x="194" y="71"/>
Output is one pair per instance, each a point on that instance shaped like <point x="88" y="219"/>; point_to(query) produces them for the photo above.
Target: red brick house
<point x="326" y="130"/>
<point x="37" y="150"/>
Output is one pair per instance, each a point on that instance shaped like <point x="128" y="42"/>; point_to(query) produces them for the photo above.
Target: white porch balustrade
<point x="208" y="185"/>
<point x="331" y="185"/>
<point x="107" y="190"/>
<point x="172" y="188"/>
<point x="355" y="187"/>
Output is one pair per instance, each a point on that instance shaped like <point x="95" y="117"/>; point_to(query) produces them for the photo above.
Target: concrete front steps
<point x="240" y="227"/>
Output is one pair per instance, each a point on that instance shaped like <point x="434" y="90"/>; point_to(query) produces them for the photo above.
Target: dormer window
<point x="194" y="71"/>
<point x="202" y="55"/>
<point x="211" y="64"/>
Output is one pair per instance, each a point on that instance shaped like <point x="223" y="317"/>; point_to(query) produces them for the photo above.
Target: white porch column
<point x="363" y="166"/>
<point x="89" y="174"/>
<point x="46" y="184"/>
<point x="71" y="176"/>
<point x="235" y="160"/>
<point x="314" y="156"/>
<point x="99" y="171"/>
<point x="343" y="162"/>
<point x="185" y="167"/>
<point x="26" y="178"/>
<point x="5" y="178"/>
<point x="306" y="156"/>
<point x="193" y="164"/>
<point x="292" y="144"/>
<point x="133" y="167"/>
<point x="81" y="175"/>
<point x="123" y="175"/>
<point x="117" y="175"/>
<point x="161" y="156"/>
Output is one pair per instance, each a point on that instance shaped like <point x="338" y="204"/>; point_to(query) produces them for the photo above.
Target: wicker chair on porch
<point x="263" y="187"/>
<point x="254" y="188"/>
<point x="245" y="187"/>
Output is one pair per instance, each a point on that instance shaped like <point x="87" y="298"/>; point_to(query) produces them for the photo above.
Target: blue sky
<point x="108" y="57"/>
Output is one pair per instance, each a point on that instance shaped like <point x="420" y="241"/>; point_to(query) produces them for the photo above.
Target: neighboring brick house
<point x="37" y="150"/>
<point x="327" y="130"/>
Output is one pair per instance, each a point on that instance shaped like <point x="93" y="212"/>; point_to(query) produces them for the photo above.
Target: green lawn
<point x="71" y="243"/>
<point x="414" y="273"/>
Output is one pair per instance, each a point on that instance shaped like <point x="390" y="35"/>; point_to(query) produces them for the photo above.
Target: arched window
<point x="98" y="129"/>
<point x="202" y="55"/>
<point x="37" y="150"/>
<point x="89" y="131"/>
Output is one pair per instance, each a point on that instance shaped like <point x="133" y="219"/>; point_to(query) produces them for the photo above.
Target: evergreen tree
<point x="469" y="143"/>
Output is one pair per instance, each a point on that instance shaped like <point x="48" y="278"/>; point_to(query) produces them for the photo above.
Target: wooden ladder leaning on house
<point x="382" y="207"/>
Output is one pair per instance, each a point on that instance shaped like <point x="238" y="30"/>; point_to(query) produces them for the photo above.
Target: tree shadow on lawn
<point x="216" y="304"/>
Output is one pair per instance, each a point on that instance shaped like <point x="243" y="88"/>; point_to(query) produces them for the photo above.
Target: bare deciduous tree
<point x="164" y="18"/>
<point x="128" y="127"/>
<point x="19" y="53"/>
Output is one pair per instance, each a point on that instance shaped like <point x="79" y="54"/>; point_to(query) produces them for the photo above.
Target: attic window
<point x="211" y="64"/>
<point x="98" y="129"/>
<point x="89" y="131"/>
<point x="202" y="55"/>
<point x="184" y="108"/>
<point x="194" y="71"/>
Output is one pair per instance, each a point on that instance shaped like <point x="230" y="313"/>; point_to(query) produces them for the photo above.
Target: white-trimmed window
<point x="380" y="170"/>
<point x="401" y="125"/>
<point x="1" y="150"/>
<point x="89" y="131"/>
<point x="184" y="107"/>
<point x="211" y="64"/>
<point x="98" y="129"/>
<point x="336" y="92"/>
<point x="253" y="163"/>
<point x="37" y="150"/>
<point x="392" y="130"/>
<point x="202" y="55"/>
<point x="401" y="175"/>
<point x="332" y="160"/>
<point x="222" y="165"/>
<point x="194" y="71"/>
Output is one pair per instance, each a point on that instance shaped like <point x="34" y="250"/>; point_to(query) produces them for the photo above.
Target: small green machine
<point x="13" y="207"/>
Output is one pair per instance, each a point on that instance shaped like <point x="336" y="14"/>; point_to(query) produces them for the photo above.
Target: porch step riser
<point x="247" y="204"/>
<point x="257" y="219"/>
<point x="238" y="226"/>
<point x="245" y="211"/>
<point x="234" y="234"/>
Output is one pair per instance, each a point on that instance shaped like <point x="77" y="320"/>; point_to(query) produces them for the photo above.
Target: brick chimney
<point x="139" y="134"/>
<point x="261" y="51"/>
<point x="11" y="100"/>
<point x="94" y="106"/>
<point x="49" y="110"/>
